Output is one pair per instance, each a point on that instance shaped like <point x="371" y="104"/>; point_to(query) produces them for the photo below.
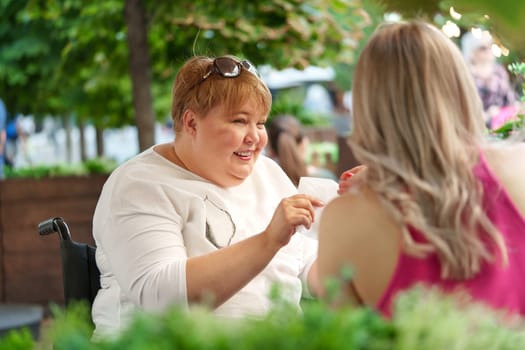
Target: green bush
<point x="92" y="166"/>
<point x="17" y="340"/>
<point x="423" y="319"/>
<point x="290" y="102"/>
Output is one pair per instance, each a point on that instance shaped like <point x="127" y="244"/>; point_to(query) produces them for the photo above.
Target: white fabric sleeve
<point x="309" y="256"/>
<point x="143" y="243"/>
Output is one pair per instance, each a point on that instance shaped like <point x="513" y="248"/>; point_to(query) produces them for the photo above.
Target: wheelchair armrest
<point x="53" y="225"/>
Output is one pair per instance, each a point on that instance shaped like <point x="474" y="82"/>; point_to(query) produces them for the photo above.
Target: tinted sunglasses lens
<point x="250" y="67"/>
<point x="227" y="67"/>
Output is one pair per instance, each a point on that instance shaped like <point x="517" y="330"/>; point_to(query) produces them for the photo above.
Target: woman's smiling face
<point x="227" y="143"/>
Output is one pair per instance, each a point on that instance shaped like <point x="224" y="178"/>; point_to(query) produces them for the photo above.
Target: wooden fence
<point x="30" y="268"/>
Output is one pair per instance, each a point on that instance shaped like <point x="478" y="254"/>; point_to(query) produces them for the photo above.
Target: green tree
<point x="28" y="58"/>
<point x="96" y="60"/>
<point x="505" y="18"/>
<point x="281" y="33"/>
<point x="64" y="58"/>
<point x="140" y="71"/>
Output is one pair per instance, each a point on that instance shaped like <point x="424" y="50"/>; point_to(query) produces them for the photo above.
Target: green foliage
<point x="344" y="71"/>
<point x="423" y="319"/>
<point x="411" y="7"/>
<point x="62" y="57"/>
<point x="71" y="57"/>
<point x="71" y="329"/>
<point x="17" y="340"/>
<point x="426" y="320"/>
<point x="282" y="33"/>
<point x="92" y="166"/>
<point x="518" y="68"/>
<point x="505" y="18"/>
<point x="28" y="56"/>
<point x="516" y="125"/>
<point x="510" y="128"/>
<point x="323" y="148"/>
<point x="99" y="165"/>
<point x="290" y="101"/>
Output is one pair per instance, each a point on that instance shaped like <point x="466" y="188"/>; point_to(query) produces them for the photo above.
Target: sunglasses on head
<point x="228" y="67"/>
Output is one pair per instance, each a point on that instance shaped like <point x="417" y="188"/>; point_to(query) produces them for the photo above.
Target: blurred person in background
<point x="18" y="131"/>
<point x="491" y="78"/>
<point x="341" y="113"/>
<point x="288" y="146"/>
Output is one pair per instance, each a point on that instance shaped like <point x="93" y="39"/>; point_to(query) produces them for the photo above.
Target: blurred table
<point x="18" y="316"/>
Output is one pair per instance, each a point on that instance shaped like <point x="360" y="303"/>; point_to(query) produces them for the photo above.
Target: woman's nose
<point x="253" y="134"/>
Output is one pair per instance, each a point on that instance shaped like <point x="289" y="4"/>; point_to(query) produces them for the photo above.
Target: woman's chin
<point x="241" y="174"/>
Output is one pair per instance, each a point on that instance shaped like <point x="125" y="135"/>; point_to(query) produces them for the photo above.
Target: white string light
<point x="454" y="14"/>
<point x="451" y="29"/>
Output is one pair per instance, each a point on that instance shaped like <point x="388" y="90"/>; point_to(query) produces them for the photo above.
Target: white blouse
<point x="152" y="215"/>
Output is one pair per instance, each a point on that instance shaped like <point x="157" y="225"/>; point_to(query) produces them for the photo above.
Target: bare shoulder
<point x="356" y="207"/>
<point x="507" y="161"/>
<point x="357" y="232"/>
<point x="356" y="217"/>
<point x="505" y="152"/>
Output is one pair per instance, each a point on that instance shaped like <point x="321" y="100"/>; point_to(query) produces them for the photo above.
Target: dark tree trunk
<point x="99" y="134"/>
<point x="82" y="140"/>
<point x="66" y="122"/>
<point x="140" y="71"/>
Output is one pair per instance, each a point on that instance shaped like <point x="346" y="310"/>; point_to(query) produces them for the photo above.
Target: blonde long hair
<point x="418" y="126"/>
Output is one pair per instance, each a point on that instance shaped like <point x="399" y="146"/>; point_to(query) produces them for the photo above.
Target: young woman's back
<point x="372" y="243"/>
<point x="428" y="207"/>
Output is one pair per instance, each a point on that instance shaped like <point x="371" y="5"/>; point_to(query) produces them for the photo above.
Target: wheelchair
<point x="81" y="276"/>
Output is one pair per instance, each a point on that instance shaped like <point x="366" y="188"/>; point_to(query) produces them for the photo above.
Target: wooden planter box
<point x="30" y="268"/>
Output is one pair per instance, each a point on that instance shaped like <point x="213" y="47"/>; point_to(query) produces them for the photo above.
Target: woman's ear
<point x="189" y="122"/>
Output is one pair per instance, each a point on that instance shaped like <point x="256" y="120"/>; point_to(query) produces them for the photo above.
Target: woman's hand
<point x="291" y="212"/>
<point x="348" y="178"/>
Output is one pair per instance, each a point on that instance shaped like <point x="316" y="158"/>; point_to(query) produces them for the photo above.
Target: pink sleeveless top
<point x="497" y="286"/>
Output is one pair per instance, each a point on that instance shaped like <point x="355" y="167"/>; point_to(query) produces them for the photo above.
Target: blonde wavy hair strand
<point x="418" y="126"/>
